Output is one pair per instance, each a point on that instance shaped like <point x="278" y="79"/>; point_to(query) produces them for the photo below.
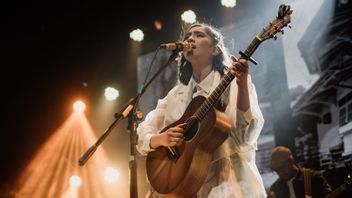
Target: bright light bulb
<point x="137" y="35"/>
<point x="111" y="174"/>
<point x="79" y="106"/>
<point x="75" y="181"/>
<point x="189" y="16"/>
<point x="228" y="3"/>
<point x="111" y="93"/>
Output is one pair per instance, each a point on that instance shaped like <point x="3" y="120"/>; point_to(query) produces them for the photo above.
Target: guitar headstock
<point x="282" y="20"/>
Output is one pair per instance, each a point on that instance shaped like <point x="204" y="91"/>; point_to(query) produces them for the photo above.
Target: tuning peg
<point x="275" y="37"/>
<point x="282" y="31"/>
<point x="289" y="26"/>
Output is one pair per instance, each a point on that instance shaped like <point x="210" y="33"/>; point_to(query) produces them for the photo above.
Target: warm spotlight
<point x="79" y="106"/>
<point x="75" y="181"/>
<point x="111" y="174"/>
<point x="158" y="25"/>
<point x="54" y="169"/>
<point x="111" y="93"/>
<point x="228" y="3"/>
<point x="137" y="35"/>
<point x="189" y="16"/>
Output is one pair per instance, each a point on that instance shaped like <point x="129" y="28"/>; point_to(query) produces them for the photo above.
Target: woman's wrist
<point x="243" y="82"/>
<point x="153" y="142"/>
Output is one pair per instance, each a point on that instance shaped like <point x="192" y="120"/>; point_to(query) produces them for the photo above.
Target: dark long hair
<point x="220" y="61"/>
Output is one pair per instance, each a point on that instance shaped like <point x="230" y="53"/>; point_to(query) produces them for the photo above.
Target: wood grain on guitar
<point x="180" y="171"/>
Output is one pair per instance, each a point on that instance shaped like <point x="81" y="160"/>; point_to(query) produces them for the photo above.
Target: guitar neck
<point x="226" y="80"/>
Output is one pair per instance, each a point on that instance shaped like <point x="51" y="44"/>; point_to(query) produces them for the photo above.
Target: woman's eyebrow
<point x="188" y="33"/>
<point x="195" y="32"/>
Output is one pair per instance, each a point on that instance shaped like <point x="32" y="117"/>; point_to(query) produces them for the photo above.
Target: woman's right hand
<point x="171" y="137"/>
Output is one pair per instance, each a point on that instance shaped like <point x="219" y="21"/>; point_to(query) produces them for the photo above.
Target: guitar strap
<point x="307" y="182"/>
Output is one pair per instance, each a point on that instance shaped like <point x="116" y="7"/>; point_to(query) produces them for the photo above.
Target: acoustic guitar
<point x="180" y="171"/>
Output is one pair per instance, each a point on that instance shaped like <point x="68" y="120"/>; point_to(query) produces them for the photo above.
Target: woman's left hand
<point x="239" y="69"/>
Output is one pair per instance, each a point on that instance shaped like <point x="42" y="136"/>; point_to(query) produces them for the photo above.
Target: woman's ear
<point x="216" y="51"/>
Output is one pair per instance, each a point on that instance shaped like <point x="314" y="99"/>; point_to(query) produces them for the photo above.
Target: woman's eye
<point x="186" y="37"/>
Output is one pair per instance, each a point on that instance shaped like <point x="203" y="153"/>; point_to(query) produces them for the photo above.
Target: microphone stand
<point x="131" y="112"/>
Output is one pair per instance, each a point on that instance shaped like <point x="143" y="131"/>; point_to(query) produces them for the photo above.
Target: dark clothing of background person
<point x="319" y="186"/>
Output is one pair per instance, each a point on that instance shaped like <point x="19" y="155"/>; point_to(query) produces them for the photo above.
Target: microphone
<point x="178" y="46"/>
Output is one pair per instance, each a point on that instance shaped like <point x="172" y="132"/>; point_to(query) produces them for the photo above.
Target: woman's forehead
<point x="198" y="28"/>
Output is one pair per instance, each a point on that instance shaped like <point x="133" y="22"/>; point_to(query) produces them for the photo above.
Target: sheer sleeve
<point x="152" y="124"/>
<point x="246" y="126"/>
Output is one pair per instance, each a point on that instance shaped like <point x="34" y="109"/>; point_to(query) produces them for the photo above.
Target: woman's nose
<point x="190" y="39"/>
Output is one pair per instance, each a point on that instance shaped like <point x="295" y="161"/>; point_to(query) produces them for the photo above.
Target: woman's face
<point x="203" y="45"/>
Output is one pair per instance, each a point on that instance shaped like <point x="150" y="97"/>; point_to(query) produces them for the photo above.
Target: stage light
<point x="79" y="106"/>
<point x="228" y="3"/>
<point x="111" y="93"/>
<point x="54" y="169"/>
<point x="158" y="25"/>
<point x="137" y="35"/>
<point x="189" y="16"/>
<point x="111" y="174"/>
<point x="75" y="181"/>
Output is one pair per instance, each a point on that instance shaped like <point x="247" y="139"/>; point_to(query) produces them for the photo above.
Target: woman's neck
<point x="201" y="72"/>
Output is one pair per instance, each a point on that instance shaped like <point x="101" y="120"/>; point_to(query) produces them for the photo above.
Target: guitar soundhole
<point x="191" y="128"/>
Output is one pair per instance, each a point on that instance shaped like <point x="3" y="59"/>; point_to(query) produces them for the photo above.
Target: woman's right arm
<point x="171" y="137"/>
<point x="149" y="136"/>
<point x="151" y="126"/>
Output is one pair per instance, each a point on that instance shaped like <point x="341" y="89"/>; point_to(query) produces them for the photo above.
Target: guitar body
<point x="184" y="177"/>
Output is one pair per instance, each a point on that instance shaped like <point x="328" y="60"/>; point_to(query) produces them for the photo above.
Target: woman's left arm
<point x="248" y="119"/>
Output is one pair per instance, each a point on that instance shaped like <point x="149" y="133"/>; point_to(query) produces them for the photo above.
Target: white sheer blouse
<point x="233" y="171"/>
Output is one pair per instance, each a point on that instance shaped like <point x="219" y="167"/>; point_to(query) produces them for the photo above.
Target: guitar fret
<point x="198" y="118"/>
<point x="220" y="89"/>
<point x="215" y="96"/>
<point x="251" y="48"/>
<point x="228" y="78"/>
<point x="221" y="86"/>
<point x="202" y="114"/>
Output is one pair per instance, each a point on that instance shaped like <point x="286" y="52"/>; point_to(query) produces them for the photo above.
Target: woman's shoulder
<point x="177" y="89"/>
